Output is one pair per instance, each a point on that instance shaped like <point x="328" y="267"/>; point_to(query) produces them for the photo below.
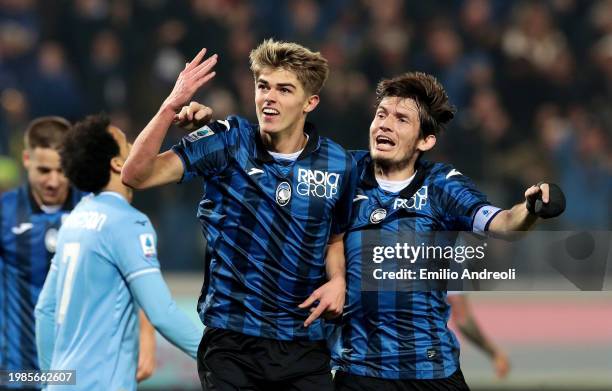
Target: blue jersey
<point x="403" y="334"/>
<point x="267" y="224"/>
<point x="27" y="243"/>
<point x="86" y="317"/>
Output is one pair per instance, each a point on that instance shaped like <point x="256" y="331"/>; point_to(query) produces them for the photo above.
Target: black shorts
<point x="347" y="382"/>
<point x="228" y="360"/>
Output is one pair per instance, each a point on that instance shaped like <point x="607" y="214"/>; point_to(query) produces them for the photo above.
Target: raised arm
<point x="145" y="166"/>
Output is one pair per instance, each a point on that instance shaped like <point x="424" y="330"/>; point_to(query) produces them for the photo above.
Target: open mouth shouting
<point x="384" y="143"/>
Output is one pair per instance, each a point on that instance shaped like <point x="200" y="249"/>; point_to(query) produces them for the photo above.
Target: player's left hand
<point x="545" y="200"/>
<point x="330" y="296"/>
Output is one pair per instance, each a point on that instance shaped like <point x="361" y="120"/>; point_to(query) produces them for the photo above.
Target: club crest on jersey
<point x="147" y="243"/>
<point x="317" y="183"/>
<point x="378" y="215"/>
<point x="416" y="202"/>
<point x="51" y="239"/>
<point x="283" y="193"/>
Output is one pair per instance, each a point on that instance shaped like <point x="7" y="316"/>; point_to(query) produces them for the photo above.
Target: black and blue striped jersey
<point x="403" y="334"/>
<point x="267" y="224"/>
<point x="27" y="243"/>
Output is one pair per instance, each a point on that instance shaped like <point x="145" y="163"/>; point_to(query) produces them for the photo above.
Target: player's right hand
<point x="194" y="76"/>
<point x="193" y="116"/>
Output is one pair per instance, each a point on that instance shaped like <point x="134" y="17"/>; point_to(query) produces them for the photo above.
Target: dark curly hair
<point x="87" y="151"/>
<point x="435" y="111"/>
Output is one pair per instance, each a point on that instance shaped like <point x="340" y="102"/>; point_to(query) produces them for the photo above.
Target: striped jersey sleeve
<point x="462" y="206"/>
<point x="205" y="152"/>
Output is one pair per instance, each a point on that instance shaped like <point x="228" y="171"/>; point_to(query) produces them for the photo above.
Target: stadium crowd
<point x="532" y="81"/>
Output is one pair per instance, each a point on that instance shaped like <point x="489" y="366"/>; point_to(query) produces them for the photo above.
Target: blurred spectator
<point x="105" y="76"/>
<point x="51" y="87"/>
<point x="13" y="118"/>
<point x="581" y="152"/>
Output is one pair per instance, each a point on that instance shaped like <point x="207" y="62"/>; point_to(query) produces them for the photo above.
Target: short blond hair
<point x="310" y="67"/>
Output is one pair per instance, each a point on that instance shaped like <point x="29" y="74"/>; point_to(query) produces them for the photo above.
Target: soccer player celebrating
<point x="277" y="202"/>
<point x="399" y="340"/>
<point x="105" y="268"/>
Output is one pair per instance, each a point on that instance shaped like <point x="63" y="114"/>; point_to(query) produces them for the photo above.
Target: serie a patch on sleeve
<point x="147" y="243"/>
<point x="208" y="130"/>
<point x="200" y="133"/>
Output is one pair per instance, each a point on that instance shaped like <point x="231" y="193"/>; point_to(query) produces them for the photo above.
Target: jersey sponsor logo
<point x="452" y="173"/>
<point x="21" y="228"/>
<point x="416" y="202"/>
<point x="317" y="183"/>
<point x="378" y="215"/>
<point x="147" y="243"/>
<point x="360" y="197"/>
<point x="141" y="222"/>
<point x="254" y="171"/>
<point x="51" y="239"/>
<point x="431" y="354"/>
<point x="283" y="193"/>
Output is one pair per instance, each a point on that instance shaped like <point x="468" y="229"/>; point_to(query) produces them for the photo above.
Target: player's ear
<point x="427" y="143"/>
<point x="116" y="164"/>
<point x="311" y="103"/>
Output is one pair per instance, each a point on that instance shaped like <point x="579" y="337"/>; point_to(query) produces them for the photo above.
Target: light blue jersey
<point x="104" y="269"/>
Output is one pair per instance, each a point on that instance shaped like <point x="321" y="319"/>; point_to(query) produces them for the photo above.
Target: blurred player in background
<point x="463" y="317"/>
<point x="277" y="202"/>
<point x="399" y="340"/>
<point x="30" y="218"/>
<point x="105" y="268"/>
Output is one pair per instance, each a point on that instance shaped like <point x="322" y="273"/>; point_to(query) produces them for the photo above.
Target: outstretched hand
<point x="194" y="76"/>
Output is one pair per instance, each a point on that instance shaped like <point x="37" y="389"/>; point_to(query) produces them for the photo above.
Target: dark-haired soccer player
<point x="105" y="268"/>
<point x="276" y="204"/>
<point x="399" y="340"/>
